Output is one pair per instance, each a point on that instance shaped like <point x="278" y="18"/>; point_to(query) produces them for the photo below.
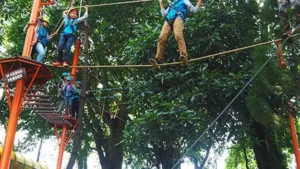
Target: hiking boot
<point x="65" y="64"/>
<point x="184" y="60"/>
<point x="57" y="63"/>
<point x="155" y="63"/>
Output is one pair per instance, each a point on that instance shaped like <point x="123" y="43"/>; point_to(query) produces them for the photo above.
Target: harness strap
<point x="178" y="13"/>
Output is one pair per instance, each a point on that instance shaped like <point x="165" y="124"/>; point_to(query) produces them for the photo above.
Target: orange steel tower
<point x="26" y="74"/>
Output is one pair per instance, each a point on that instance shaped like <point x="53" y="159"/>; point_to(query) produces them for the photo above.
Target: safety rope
<point x="191" y="60"/>
<point x="230" y="103"/>
<point x="116" y="3"/>
<point x="56" y="29"/>
<point x="105" y="111"/>
<point x="80" y="8"/>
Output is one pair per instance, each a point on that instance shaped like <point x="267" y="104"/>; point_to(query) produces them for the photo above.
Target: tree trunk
<point x="169" y="157"/>
<point x="266" y="152"/>
<point x="77" y="135"/>
<point x="39" y="151"/>
<point x="204" y="160"/>
<point x="246" y="158"/>
<point x="109" y="149"/>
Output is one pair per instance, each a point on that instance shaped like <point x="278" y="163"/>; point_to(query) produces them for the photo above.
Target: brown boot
<point x="155" y="63"/>
<point x="184" y="60"/>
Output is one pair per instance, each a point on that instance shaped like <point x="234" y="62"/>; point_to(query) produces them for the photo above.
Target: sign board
<point x="14" y="75"/>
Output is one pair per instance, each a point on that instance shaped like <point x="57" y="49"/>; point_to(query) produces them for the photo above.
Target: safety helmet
<point x="65" y="74"/>
<point x="79" y="83"/>
<point x="45" y="19"/>
<point x="72" y="9"/>
<point x="69" y="78"/>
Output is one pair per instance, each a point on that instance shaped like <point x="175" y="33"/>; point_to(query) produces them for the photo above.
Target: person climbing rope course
<point x="68" y="37"/>
<point x="174" y="21"/>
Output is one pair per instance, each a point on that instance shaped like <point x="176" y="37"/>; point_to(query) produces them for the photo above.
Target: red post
<point x="280" y="55"/>
<point x="62" y="146"/>
<point x="12" y="125"/>
<point x="31" y="28"/>
<point x="75" y="59"/>
<point x="295" y="140"/>
<point x="64" y="128"/>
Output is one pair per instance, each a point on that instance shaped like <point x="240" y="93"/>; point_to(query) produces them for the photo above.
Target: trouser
<point x="65" y="42"/>
<point x="41" y="51"/>
<point x="75" y="107"/>
<point x="61" y="105"/>
<point x="178" y="26"/>
<point x="68" y="105"/>
<point x="282" y="6"/>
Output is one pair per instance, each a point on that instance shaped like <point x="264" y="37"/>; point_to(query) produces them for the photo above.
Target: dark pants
<point x="75" y="107"/>
<point x="65" y="42"/>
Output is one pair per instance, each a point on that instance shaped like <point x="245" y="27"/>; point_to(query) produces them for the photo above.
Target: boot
<point x="65" y="64"/>
<point x="155" y="63"/>
<point x="184" y="60"/>
<point x="286" y="24"/>
<point x="57" y="63"/>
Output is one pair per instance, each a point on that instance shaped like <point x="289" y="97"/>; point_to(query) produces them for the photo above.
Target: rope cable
<point x="239" y="93"/>
<point x="55" y="30"/>
<point x="191" y="60"/>
<point x="116" y="3"/>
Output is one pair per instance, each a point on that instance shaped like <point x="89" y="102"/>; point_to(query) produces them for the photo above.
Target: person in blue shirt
<point x="68" y="94"/>
<point x="68" y="37"/>
<point x="174" y="21"/>
<point x="60" y="95"/>
<point x="76" y="98"/>
<point x="41" y="38"/>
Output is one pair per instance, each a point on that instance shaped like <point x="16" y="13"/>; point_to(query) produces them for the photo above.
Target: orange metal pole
<point x="62" y="146"/>
<point x="295" y="140"/>
<point x="31" y="28"/>
<point x="280" y="54"/>
<point x="64" y="129"/>
<point x="75" y="59"/>
<point x="12" y="125"/>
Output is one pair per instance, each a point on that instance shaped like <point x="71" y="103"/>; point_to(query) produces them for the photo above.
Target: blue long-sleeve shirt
<point x="70" y="25"/>
<point x="189" y="5"/>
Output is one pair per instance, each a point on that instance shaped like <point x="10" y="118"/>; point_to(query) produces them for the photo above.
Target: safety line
<point x="116" y="3"/>
<point x="239" y="93"/>
<point x="176" y="63"/>
<point x="105" y="111"/>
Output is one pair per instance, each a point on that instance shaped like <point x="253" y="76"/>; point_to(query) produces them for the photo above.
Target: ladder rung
<point x="46" y="111"/>
<point x="40" y="104"/>
<point x="43" y="108"/>
<point x="35" y="100"/>
<point x="37" y="95"/>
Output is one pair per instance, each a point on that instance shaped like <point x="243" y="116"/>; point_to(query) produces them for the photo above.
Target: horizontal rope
<point x="176" y="63"/>
<point x="116" y="3"/>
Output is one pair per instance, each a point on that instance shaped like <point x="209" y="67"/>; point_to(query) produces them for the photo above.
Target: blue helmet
<point x="69" y="78"/>
<point x="65" y="74"/>
<point x="79" y="82"/>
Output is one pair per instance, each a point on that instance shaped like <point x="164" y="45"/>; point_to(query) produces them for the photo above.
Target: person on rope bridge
<point x="76" y="98"/>
<point x="283" y="6"/>
<point x="68" y="94"/>
<point x="68" y="37"/>
<point x="60" y="95"/>
<point x="174" y="21"/>
<point x="41" y="38"/>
